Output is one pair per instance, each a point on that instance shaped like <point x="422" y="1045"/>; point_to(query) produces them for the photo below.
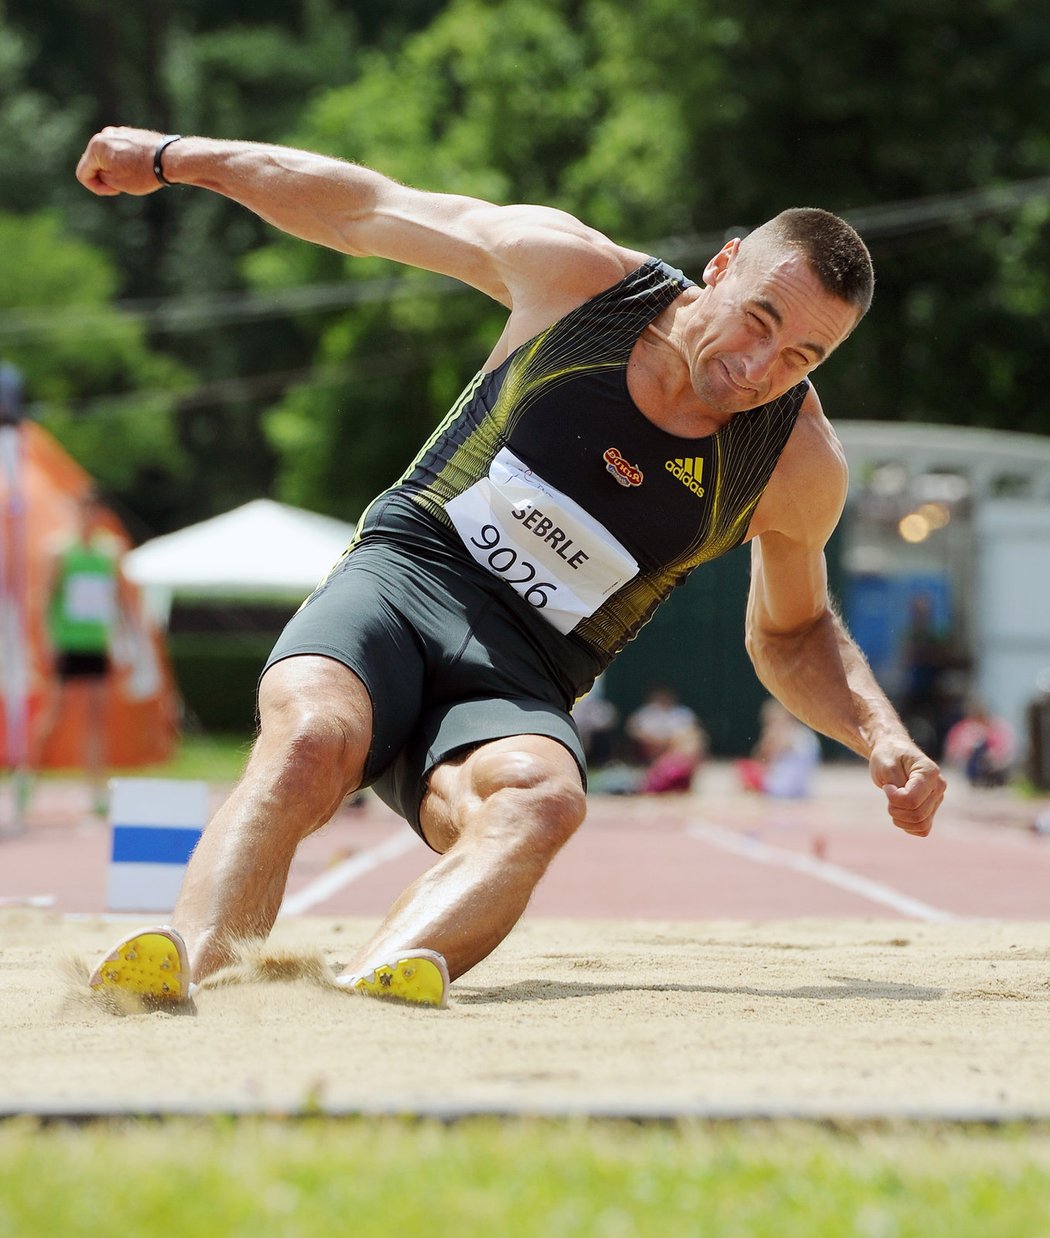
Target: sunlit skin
<point x="761" y="324"/>
<point x="765" y="330"/>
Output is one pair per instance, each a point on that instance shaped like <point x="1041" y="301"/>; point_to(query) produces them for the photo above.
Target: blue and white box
<point x="156" y="822"/>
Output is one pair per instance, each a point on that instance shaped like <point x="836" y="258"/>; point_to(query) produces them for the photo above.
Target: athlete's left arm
<point x="799" y="645"/>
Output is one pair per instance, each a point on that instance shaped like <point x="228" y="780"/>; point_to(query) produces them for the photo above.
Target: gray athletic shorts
<point x="447" y="661"/>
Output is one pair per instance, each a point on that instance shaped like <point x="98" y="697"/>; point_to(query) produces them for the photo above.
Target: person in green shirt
<point x="82" y="592"/>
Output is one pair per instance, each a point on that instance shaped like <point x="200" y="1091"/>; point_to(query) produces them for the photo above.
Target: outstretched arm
<point x="800" y="647"/>
<point x="515" y="254"/>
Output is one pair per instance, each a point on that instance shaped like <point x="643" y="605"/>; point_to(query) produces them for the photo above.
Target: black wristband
<point x="158" y="156"/>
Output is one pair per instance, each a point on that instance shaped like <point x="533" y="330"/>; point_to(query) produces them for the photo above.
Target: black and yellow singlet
<point x="546" y="474"/>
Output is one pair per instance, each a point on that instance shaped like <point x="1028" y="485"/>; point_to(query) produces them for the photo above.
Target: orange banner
<point x="141" y="713"/>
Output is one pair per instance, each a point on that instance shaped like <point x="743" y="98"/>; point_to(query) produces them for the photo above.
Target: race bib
<point x="541" y="542"/>
<point x="90" y="597"/>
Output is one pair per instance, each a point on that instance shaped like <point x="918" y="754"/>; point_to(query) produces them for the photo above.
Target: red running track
<point x="717" y="854"/>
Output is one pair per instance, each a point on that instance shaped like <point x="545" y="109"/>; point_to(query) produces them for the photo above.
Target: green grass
<point x="519" y="1178"/>
<point x="213" y="758"/>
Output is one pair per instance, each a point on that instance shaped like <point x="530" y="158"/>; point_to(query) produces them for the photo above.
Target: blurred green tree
<point x="93" y="379"/>
<point x="38" y="131"/>
<point x="231" y="69"/>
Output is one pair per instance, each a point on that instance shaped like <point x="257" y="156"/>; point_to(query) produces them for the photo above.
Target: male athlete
<point x="531" y="538"/>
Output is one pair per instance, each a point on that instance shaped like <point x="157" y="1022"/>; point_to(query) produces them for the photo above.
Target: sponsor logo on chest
<point x="626" y="474"/>
<point x="690" y="472"/>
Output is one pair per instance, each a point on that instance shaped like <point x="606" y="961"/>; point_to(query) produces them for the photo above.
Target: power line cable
<point x="230" y="390"/>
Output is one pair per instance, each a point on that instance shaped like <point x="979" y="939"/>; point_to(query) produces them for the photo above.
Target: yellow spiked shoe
<point x="419" y="977"/>
<point x="147" y="971"/>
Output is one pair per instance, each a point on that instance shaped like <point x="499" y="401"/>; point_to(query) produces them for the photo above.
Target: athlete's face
<point x="761" y="325"/>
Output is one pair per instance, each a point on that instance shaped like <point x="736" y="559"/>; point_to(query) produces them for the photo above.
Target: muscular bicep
<point x="789" y="578"/>
<point x="515" y="254"/>
<point x="445" y="233"/>
<point x="789" y="585"/>
<point x="529" y="256"/>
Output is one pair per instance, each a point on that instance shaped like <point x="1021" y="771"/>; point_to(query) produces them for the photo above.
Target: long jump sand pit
<point x="817" y="1018"/>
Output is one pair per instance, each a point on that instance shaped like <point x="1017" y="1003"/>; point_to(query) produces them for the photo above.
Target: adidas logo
<point x="689" y="472"/>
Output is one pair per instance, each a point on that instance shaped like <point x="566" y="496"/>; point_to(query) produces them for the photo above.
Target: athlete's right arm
<point x="514" y="254"/>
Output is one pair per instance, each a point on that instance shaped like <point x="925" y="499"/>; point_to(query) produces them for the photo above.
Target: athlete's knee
<point x="314" y="753"/>
<point x="538" y="803"/>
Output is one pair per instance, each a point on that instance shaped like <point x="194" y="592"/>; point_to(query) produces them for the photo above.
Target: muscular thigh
<point x="448" y="733"/>
<point x="350" y="620"/>
<point x="447" y="667"/>
<point x="458" y="784"/>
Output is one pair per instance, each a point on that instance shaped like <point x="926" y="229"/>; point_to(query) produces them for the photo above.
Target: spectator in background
<point x="785" y="758"/>
<point x="83" y="589"/>
<point x="677" y="768"/>
<point x="928" y="656"/>
<point x="669" y="740"/>
<point x="655" y="725"/>
<point x="981" y="745"/>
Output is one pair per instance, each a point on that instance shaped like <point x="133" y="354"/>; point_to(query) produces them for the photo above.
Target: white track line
<point x="346" y="872"/>
<point x="780" y="857"/>
<point x="30" y="900"/>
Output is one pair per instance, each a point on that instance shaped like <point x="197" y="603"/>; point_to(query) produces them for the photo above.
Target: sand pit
<point x="813" y="1017"/>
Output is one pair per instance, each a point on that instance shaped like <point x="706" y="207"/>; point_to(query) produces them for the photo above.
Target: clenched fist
<point x="120" y="160"/>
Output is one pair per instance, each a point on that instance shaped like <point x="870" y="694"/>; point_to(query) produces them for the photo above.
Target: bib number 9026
<point x="503" y="560"/>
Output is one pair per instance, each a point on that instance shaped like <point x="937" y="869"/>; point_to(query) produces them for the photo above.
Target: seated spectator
<point x="655" y="725"/>
<point x="982" y="746"/>
<point x="669" y="740"/>
<point x="785" y="758"/>
<point x="676" y="768"/>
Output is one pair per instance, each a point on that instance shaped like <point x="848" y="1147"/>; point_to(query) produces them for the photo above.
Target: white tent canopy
<point x="261" y="551"/>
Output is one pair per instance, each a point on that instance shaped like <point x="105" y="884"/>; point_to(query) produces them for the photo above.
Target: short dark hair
<point x="834" y="250"/>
